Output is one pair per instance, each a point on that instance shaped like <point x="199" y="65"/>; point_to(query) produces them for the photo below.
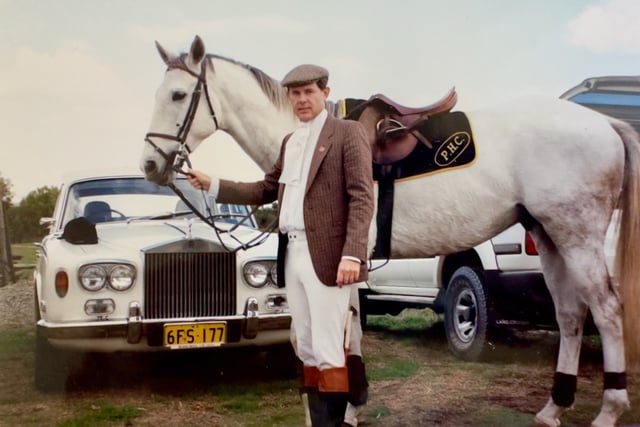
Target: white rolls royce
<point x="128" y="266"/>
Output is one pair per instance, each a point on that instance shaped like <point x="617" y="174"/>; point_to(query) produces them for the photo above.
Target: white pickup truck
<point x="499" y="282"/>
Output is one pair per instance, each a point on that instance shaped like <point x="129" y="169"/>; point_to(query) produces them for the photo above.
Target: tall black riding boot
<point x="358" y="384"/>
<point x="317" y="409"/>
<point x="336" y="406"/>
<point x="326" y="409"/>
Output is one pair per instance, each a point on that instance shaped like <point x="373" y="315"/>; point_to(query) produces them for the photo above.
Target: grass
<point x="27" y="253"/>
<point x="278" y="406"/>
<point x="240" y="403"/>
<point x="407" y="320"/>
<point x="15" y="343"/>
<point x="393" y="369"/>
<point x="504" y="417"/>
<point x="412" y="378"/>
<point x="400" y="364"/>
<point x="103" y="414"/>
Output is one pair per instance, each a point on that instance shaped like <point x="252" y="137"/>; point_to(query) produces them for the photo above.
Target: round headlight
<point x="256" y="274"/>
<point x="121" y="277"/>
<point x="92" y="277"/>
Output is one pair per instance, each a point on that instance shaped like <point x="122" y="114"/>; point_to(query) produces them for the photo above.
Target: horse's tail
<point x="628" y="250"/>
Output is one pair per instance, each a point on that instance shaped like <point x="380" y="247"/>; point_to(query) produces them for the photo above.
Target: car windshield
<point x="624" y="106"/>
<point x="132" y="198"/>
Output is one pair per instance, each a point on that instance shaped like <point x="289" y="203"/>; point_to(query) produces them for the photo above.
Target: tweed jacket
<point x="338" y="202"/>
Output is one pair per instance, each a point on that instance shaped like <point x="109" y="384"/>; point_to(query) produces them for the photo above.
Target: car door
<point x="413" y="276"/>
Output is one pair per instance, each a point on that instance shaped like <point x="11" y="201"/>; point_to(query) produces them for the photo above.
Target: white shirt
<point x="295" y="172"/>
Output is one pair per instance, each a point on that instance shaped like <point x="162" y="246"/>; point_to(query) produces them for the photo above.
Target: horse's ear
<point x="166" y="57"/>
<point x="197" y="52"/>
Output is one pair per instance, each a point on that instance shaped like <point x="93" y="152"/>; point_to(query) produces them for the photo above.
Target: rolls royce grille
<point x="189" y="284"/>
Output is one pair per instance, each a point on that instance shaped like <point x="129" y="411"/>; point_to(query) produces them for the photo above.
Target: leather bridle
<point x="181" y="137"/>
<point x="182" y="156"/>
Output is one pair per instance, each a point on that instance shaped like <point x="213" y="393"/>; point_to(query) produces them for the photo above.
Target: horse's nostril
<point x="150" y="166"/>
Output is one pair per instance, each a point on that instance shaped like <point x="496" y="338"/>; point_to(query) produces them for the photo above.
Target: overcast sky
<point x="78" y="77"/>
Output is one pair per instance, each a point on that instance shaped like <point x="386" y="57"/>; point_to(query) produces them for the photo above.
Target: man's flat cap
<point x="304" y="74"/>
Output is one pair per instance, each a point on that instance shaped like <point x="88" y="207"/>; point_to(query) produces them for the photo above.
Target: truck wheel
<point x="466" y="320"/>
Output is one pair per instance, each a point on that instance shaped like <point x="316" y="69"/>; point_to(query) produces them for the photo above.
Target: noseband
<point x="183" y="131"/>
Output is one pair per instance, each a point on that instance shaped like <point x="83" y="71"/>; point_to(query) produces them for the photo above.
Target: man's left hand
<point x="348" y="272"/>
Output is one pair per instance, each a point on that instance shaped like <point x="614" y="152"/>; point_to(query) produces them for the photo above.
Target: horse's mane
<point x="270" y="86"/>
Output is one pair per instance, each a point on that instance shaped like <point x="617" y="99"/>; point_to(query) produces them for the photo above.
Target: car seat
<point x="97" y="211"/>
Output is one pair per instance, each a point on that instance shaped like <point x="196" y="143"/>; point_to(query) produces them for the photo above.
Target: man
<point x="324" y="187"/>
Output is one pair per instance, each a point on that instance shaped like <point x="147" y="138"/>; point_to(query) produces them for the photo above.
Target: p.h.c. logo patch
<point x="453" y="147"/>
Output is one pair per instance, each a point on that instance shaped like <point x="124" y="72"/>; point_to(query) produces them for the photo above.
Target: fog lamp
<point x="99" y="307"/>
<point x="277" y="302"/>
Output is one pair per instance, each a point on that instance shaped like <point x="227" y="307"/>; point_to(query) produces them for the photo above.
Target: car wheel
<point x="281" y="360"/>
<point x="466" y="319"/>
<point x="51" y="365"/>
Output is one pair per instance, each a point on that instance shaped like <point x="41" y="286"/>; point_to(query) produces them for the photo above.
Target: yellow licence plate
<point x="184" y="335"/>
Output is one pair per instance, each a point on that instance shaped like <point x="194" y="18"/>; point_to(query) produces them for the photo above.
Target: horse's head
<point x="183" y="115"/>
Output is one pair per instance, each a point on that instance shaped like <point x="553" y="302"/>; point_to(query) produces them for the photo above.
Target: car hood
<point x="145" y="235"/>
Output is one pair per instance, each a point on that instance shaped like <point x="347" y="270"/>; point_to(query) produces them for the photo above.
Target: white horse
<point x="563" y="167"/>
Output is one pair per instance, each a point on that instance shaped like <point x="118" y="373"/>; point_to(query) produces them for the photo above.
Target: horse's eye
<point x="178" y="96"/>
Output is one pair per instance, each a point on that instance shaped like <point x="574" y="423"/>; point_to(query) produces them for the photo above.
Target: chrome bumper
<point x="246" y="326"/>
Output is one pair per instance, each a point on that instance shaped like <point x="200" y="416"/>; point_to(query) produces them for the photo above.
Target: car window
<point x="125" y="199"/>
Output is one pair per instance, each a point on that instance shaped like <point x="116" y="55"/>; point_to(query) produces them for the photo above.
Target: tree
<point x="265" y="215"/>
<point x="24" y="219"/>
<point x="6" y="193"/>
<point x="6" y="269"/>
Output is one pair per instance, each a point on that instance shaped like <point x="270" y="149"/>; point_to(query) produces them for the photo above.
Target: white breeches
<point x="318" y="312"/>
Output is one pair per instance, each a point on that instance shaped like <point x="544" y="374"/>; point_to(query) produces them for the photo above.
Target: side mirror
<point x="47" y="221"/>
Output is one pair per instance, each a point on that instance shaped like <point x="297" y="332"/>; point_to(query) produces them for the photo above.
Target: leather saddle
<point x="446" y="103"/>
<point x="397" y="132"/>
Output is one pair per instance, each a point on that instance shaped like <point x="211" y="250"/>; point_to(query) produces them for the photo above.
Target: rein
<point x="182" y="157"/>
<point x="257" y="240"/>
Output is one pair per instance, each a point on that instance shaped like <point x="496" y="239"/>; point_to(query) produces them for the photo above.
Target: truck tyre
<point x="466" y="319"/>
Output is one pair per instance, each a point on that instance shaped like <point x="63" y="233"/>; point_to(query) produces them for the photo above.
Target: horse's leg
<point x="570" y="315"/>
<point x="578" y="279"/>
<point x="606" y="310"/>
<point x="596" y="288"/>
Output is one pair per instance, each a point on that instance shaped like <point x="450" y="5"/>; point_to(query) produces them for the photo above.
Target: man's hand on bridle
<point x="199" y="180"/>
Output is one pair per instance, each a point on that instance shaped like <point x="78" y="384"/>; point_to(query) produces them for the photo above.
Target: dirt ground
<point x="199" y="388"/>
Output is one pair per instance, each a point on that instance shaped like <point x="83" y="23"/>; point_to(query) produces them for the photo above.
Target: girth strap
<point x="384" y="217"/>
